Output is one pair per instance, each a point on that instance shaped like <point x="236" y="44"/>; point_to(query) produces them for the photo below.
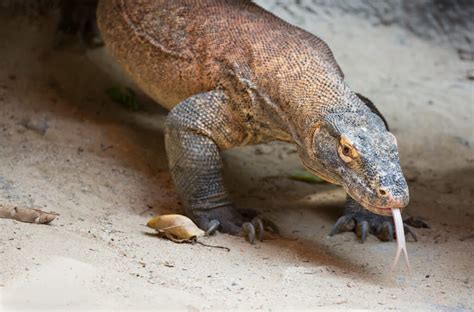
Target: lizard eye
<point x="346" y="153"/>
<point x="345" y="150"/>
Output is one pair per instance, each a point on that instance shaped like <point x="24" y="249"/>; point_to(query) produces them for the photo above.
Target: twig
<point x="212" y="246"/>
<point x="29" y="215"/>
<point x="184" y="241"/>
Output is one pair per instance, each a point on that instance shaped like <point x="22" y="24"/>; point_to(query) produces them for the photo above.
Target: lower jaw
<point x="379" y="210"/>
<point x="384" y="211"/>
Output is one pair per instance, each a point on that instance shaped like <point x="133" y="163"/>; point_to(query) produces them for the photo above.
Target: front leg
<point x="357" y="218"/>
<point x="197" y="130"/>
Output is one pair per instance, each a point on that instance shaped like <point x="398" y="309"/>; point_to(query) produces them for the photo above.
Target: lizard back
<point x="175" y="49"/>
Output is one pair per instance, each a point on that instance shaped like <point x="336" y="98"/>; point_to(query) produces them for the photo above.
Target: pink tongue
<point x="399" y="230"/>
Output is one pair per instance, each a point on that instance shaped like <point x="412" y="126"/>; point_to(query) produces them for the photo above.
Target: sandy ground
<point x="104" y="170"/>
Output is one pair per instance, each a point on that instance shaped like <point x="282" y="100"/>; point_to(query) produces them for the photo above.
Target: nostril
<point x="382" y="192"/>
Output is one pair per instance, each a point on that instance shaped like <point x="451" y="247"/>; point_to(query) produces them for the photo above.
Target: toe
<point x="408" y="230"/>
<point x="259" y="229"/>
<point x="212" y="227"/>
<point x="251" y="215"/>
<point x="416" y="222"/>
<point x="363" y="223"/>
<point x="248" y="231"/>
<point x="362" y="230"/>
<point x="385" y="232"/>
<point x="231" y="228"/>
<point x="343" y="224"/>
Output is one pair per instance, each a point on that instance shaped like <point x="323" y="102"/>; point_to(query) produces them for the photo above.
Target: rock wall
<point x="450" y="21"/>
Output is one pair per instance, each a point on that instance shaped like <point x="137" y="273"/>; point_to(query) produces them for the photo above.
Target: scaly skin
<point x="233" y="74"/>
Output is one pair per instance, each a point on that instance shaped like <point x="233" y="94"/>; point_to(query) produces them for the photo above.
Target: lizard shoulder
<point x="253" y="107"/>
<point x="163" y="26"/>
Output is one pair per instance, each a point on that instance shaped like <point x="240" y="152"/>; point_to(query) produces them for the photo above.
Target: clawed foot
<point x="247" y="223"/>
<point x="365" y="222"/>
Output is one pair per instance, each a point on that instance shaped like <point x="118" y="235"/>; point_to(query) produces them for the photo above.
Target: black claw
<point x="364" y="223"/>
<point x="258" y="225"/>
<point x="343" y="224"/>
<point x="212" y="227"/>
<point x="226" y="220"/>
<point x="386" y="232"/>
<point x="416" y="222"/>
<point x="248" y="231"/>
<point x="362" y="230"/>
<point x="408" y="230"/>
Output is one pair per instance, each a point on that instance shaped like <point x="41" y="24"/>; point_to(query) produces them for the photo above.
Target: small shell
<point x="175" y="225"/>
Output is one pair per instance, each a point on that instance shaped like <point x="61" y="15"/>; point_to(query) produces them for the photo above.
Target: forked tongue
<point x="399" y="230"/>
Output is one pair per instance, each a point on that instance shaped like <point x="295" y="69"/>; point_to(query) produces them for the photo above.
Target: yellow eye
<point x="345" y="150"/>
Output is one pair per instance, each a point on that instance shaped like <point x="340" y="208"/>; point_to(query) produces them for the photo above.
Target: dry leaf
<point x="175" y="227"/>
<point x="28" y="215"/>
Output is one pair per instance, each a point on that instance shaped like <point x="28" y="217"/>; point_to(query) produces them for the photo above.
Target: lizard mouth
<point x="384" y="211"/>
<point x="380" y="210"/>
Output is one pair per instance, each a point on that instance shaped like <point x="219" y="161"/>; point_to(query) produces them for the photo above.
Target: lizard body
<point x="233" y="74"/>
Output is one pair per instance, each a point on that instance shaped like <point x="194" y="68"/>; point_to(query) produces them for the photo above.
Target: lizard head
<point x="357" y="151"/>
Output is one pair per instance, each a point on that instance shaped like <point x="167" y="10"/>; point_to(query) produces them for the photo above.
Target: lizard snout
<point x="392" y="199"/>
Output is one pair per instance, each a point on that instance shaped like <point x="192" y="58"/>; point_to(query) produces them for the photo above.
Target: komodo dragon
<point x="233" y="74"/>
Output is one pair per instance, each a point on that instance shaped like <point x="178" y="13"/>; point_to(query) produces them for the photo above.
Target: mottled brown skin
<point x="233" y="74"/>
